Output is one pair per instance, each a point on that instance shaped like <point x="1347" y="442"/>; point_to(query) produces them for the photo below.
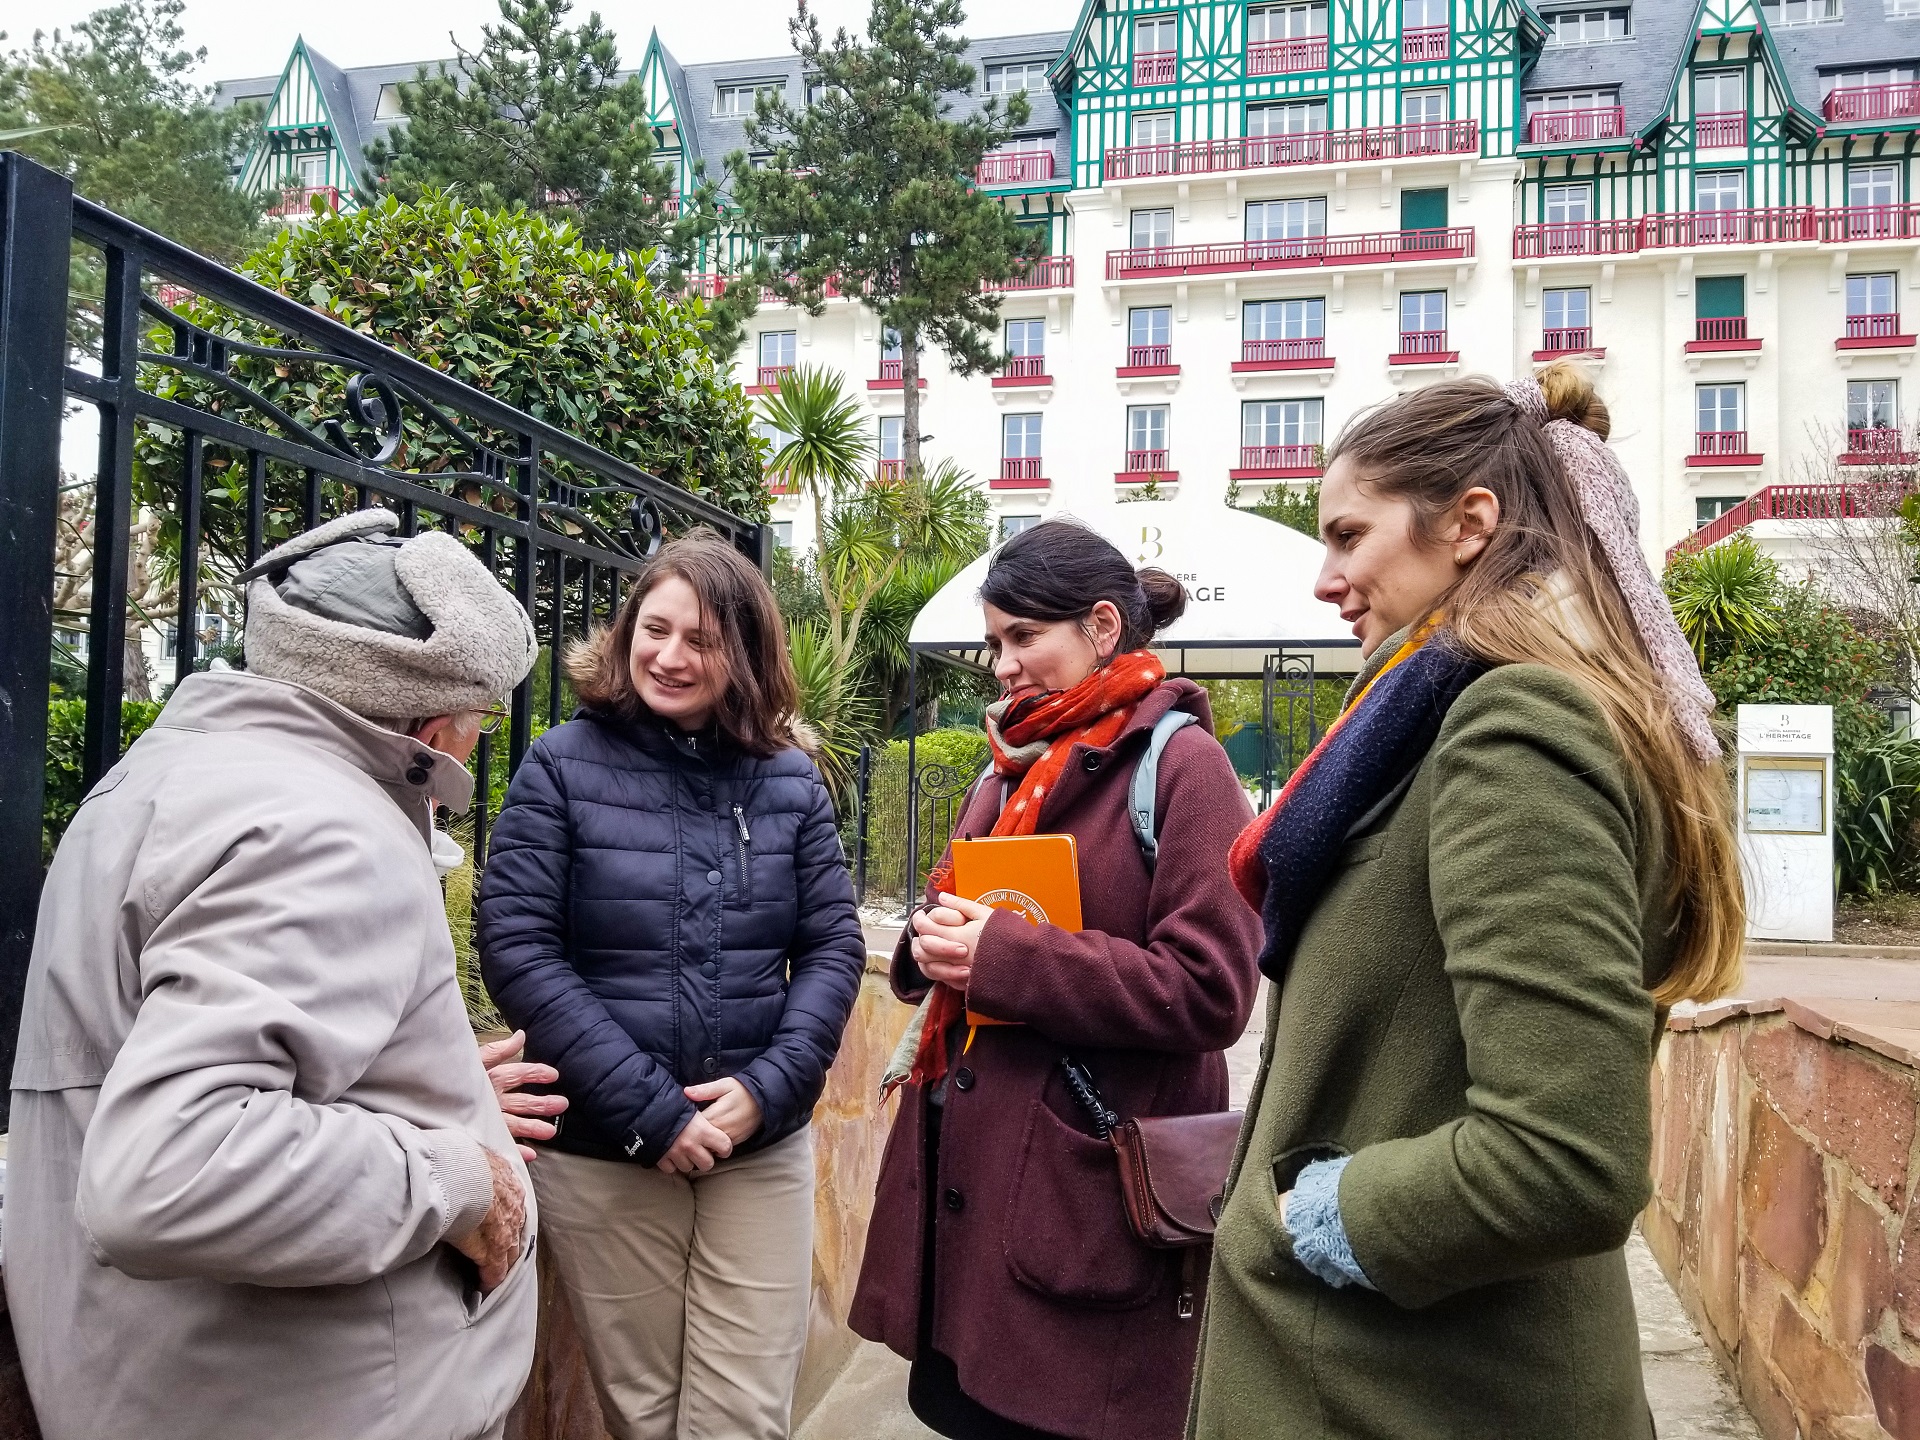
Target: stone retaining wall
<point x="1783" y="1207"/>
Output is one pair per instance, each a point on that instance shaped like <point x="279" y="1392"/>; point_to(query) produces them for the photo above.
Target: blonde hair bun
<point x="1570" y="396"/>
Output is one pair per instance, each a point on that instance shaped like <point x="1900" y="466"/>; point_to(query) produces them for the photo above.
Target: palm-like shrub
<point x="1725" y="594"/>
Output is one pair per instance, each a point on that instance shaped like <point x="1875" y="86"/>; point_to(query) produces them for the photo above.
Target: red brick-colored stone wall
<point x="1783" y="1213"/>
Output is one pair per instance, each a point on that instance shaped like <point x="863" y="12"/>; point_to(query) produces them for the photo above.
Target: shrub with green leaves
<point x="961" y="751"/>
<point x="511" y="303"/>
<point x="1811" y="655"/>
<point x="1876" y="803"/>
<point x="66" y="733"/>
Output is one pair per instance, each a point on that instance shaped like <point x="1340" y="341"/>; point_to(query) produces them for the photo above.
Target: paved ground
<point x="1691" y="1398"/>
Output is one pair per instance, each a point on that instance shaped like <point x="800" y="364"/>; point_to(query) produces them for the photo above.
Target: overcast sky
<point x="245" y="37"/>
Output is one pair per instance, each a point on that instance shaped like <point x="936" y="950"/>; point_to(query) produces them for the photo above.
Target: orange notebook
<point x="1035" y="876"/>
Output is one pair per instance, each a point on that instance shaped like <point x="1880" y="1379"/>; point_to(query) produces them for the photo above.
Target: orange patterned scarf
<point x="1032" y="735"/>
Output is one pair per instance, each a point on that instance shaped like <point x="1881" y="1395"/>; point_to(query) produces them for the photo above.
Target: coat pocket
<point x="477" y="1307"/>
<point x="1066" y="1232"/>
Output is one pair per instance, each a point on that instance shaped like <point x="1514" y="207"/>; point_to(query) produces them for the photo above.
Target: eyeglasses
<point x="492" y="719"/>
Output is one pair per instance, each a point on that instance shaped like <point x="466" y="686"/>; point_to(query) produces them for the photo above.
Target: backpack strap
<point x="1142" y="795"/>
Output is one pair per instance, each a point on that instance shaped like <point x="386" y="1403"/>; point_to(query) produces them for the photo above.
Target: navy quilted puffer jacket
<point x="660" y="910"/>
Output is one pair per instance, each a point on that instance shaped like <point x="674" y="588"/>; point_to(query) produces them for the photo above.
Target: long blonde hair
<point x="1430" y="448"/>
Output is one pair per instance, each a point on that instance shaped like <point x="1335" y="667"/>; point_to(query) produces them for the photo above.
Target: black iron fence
<point x="189" y="436"/>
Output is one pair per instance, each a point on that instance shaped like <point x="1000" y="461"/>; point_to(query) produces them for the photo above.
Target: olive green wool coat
<point x="1468" y="1015"/>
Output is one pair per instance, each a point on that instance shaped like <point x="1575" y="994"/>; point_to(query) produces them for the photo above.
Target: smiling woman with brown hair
<point x="1480" y="891"/>
<point x="666" y="913"/>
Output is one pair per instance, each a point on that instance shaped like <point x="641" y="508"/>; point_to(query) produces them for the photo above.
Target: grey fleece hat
<point x="392" y="628"/>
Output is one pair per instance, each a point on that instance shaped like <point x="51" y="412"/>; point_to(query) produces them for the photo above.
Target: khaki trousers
<point x="690" y="1292"/>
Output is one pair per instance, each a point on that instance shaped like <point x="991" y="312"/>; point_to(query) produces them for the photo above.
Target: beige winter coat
<point x="248" y="1112"/>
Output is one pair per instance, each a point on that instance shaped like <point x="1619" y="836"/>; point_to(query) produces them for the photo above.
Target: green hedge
<point x="965" y="752"/>
<point x="66" y="733"/>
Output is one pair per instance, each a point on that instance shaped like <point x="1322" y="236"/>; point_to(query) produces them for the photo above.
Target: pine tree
<point x="869" y="188"/>
<point x="539" y="117"/>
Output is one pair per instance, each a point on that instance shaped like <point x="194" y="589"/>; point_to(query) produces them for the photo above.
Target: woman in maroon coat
<point x="999" y="1258"/>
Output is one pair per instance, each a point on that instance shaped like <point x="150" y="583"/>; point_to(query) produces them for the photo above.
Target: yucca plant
<point x="1876" y="801"/>
<point x="827" y="450"/>
<point x="1725" y="596"/>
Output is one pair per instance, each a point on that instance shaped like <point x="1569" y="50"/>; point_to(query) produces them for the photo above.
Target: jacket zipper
<point x="746" y="839"/>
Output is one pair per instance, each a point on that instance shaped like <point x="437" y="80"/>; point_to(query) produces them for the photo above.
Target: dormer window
<point x="1800" y="12"/>
<point x="1016" y="75"/>
<point x="740" y="99"/>
<point x="1588" y="27"/>
<point x="390" y="106"/>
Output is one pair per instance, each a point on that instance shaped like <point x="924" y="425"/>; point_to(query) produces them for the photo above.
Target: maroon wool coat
<point x="1055" y="1315"/>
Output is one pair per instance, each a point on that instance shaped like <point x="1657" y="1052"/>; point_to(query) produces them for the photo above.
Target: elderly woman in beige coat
<point x="260" y="1185"/>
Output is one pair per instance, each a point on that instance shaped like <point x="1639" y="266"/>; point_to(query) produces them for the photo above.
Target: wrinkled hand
<point x="1283" y="1210"/>
<point x="945" y="938"/>
<point x="729" y="1105"/>
<point x="495" y="1243"/>
<point x="508" y="1073"/>
<point x="696" y="1147"/>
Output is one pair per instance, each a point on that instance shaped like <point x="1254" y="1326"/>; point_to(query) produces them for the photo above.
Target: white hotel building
<point x="1264" y="217"/>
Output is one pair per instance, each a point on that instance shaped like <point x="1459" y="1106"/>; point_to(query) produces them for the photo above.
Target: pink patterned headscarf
<point x="1612" y="513"/>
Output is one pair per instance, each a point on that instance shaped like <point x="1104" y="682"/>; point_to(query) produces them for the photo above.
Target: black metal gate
<point x="562" y="523"/>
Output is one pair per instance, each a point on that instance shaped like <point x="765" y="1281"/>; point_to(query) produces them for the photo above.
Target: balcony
<point x="1156" y="67"/>
<point x="891" y="376"/>
<point x="1302" y="354"/>
<point x="1574" y="127"/>
<point x="1145" y="465"/>
<point x="1873" y="332"/>
<point x="1279" y="462"/>
<point x="1020" y="473"/>
<point x="1314" y="147"/>
<point x="1721" y="333"/>
<point x="1024" y="367"/>
<point x="1286" y="57"/>
<point x="1686" y="229"/>
<point x="1796" y="502"/>
<point x="1569" y="340"/>
<point x="1430" y="42"/>
<point x="1719" y="130"/>
<point x="1149" y="360"/>
<point x="1880" y="445"/>
<point x="768" y="377"/>
<point x="1423" y="347"/>
<point x="1385" y="247"/>
<point x="1025" y="167"/>
<point x="890" y="471"/>
<point x="1722" y="447"/>
<point x="1049" y="272"/>
<point x="297" y="200"/>
<point x="1859" y="104"/>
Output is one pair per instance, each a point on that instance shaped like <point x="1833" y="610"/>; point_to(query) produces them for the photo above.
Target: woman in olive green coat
<point x="1480" y="892"/>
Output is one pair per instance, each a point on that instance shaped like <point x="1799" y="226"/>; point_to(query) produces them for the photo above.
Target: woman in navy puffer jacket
<point x="666" y="913"/>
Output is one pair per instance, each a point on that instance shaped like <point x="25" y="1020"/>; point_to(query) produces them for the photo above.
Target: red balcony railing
<point x="1423" y="342"/>
<point x="1025" y="367"/>
<point x="1720" y="442"/>
<point x="1050" y="272"/>
<point x="1021" y="468"/>
<point x="1720" y="328"/>
<point x="1796" y="502"/>
<point x="1279" y="457"/>
<point x="1880" y="445"/>
<point x="1872" y="327"/>
<point x="1156" y="67"/>
<point x="1382" y="247"/>
<point x="1266" y="351"/>
<point x="1143" y="461"/>
<point x="1143" y="356"/>
<point x="1025" y="167"/>
<point x="1854" y="103"/>
<point x="1684" y="229"/>
<point x="890" y="369"/>
<point x="1570" y="127"/>
<point x="1427" y="43"/>
<point x="1719" y="129"/>
<point x="771" y="375"/>
<point x="1567" y="339"/>
<point x="298" y="200"/>
<point x="1315" y="147"/>
<point x="1284" y="57"/>
<point x="891" y="470"/>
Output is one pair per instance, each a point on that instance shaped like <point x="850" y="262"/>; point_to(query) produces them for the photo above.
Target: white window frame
<point x="727" y="98"/>
<point x="1302" y="219"/>
<point x="1148" y="423"/>
<point x="1589" y="26"/>
<point x="1268" y="423"/>
<point x="1558" y="202"/>
<point x="1719" y="189"/>
<point x="1873" y="405"/>
<point x="1032" y="75"/>
<point x="390" y="105"/>
<point x="1878" y="175"/>
<point x="1012" y="525"/>
<point x="1424" y="15"/>
<point x="1422" y="100"/>
<point x="1295" y="117"/>
<point x="787" y="341"/>
<point x="311" y="167"/>
<point x="1149" y="325"/>
<point x="1560" y="299"/>
<point x="1801" y="12"/>
<point x="1718" y="80"/>
<point x="1284" y="319"/>
<point x="1718" y="411"/>
<point x="1875" y="293"/>
<point x="1161" y="128"/>
<point x="1029" y="339"/>
<point x="892" y="436"/>
<point x="1020" y="436"/>
<point x="1293" y="21"/>
<point x="1561" y="102"/>
<point x="1154" y="228"/>
<point x="1159" y="26"/>
<point x="1431" y="306"/>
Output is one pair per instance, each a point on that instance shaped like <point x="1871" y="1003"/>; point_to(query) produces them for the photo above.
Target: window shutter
<point x="1719" y="297"/>
<point x="1423" y="209"/>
